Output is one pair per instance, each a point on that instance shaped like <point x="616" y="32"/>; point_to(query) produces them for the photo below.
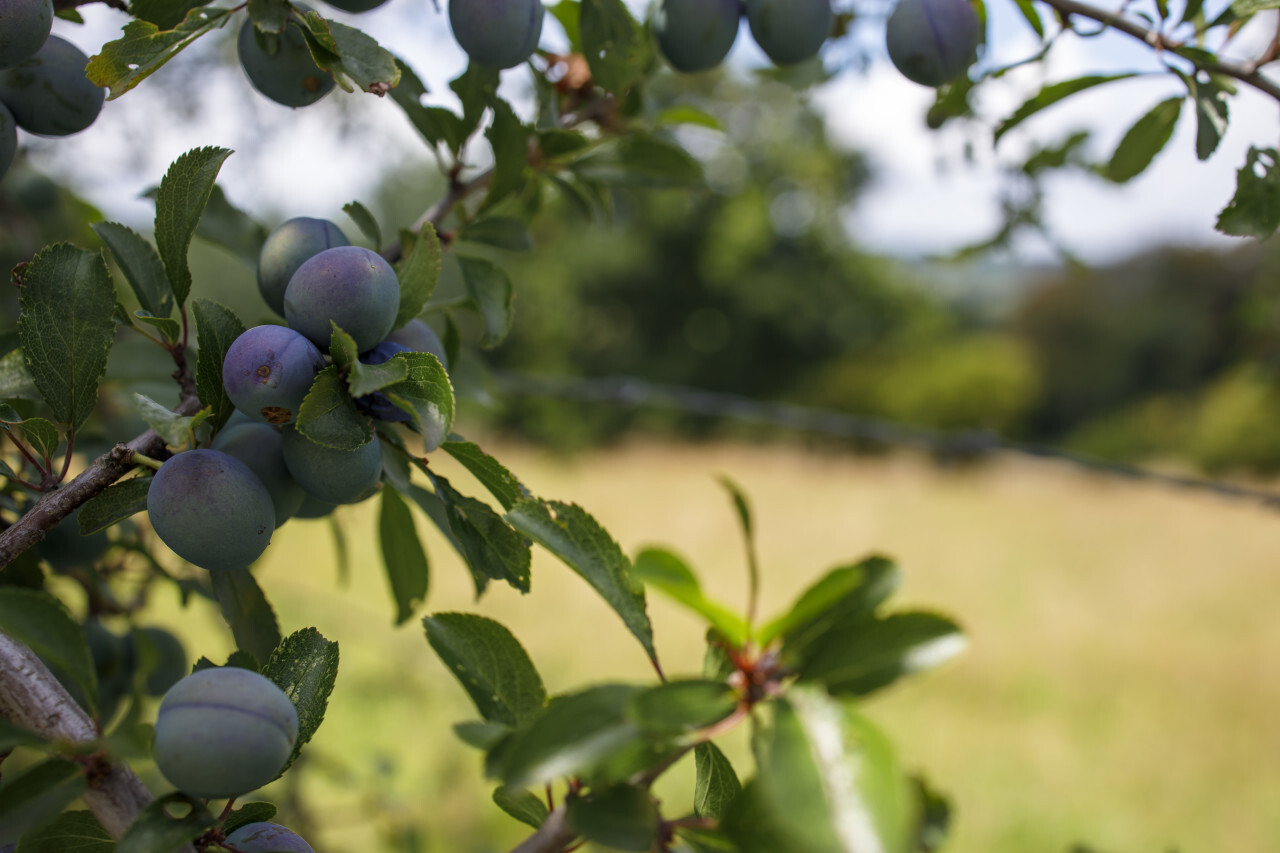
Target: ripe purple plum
<point x="789" y="31"/>
<point x="286" y="248"/>
<point x="48" y="93"/>
<point x="932" y="42"/>
<point x="331" y="475"/>
<point x="24" y="27"/>
<point x="283" y="71"/>
<point x="348" y="285"/>
<point x="268" y="371"/>
<point x="224" y="732"/>
<point x="696" y="35"/>
<point x="259" y="446"/>
<point x="267" y="838"/>
<point x="496" y="33"/>
<point x="211" y="510"/>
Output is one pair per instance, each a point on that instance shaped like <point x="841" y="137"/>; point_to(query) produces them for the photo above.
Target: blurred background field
<point x="1119" y="688"/>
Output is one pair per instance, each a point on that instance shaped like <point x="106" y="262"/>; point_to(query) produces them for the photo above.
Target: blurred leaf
<point x="501" y="232"/>
<point x="862" y="656"/>
<point x="640" y="160"/>
<point x="426" y="395"/>
<point x="1254" y="211"/>
<point x="1144" y="141"/>
<point x="567" y="13"/>
<point x="662" y="570"/>
<point x="145" y="48"/>
<point x="492" y="548"/>
<point x="70" y="832"/>
<point x="491" y="665"/>
<point x="436" y="124"/>
<point x="687" y="114"/>
<point x="366" y="222"/>
<point x="490" y="289"/>
<point x="622" y="817"/>
<point x="141" y="267"/>
<point x="12" y="735"/>
<point x="226" y="225"/>
<point x="840" y="596"/>
<point x="65" y="323"/>
<point x="509" y="138"/>
<point x="613" y="43"/>
<point x="329" y="417"/>
<point x="247" y="814"/>
<point x="716" y="785"/>
<point x="165" y="14"/>
<point x="481" y="735"/>
<point x="42" y="623"/>
<point x="247" y="611"/>
<point x="1028" y="10"/>
<point x="1050" y="95"/>
<point x="500" y="482"/>
<point x="269" y="16"/>
<point x="418" y="273"/>
<point x="555" y="142"/>
<point x="476" y="88"/>
<point x="15" y="379"/>
<point x="681" y="707"/>
<point x="35" y="799"/>
<point x="114" y="503"/>
<point x="1212" y="115"/>
<point x="349" y="54"/>
<point x="305" y="666"/>
<point x="524" y="806"/>
<point x="402" y="554"/>
<point x="217" y="328"/>
<point x="933" y="817"/>
<point x="180" y="202"/>
<point x="156" y="830"/>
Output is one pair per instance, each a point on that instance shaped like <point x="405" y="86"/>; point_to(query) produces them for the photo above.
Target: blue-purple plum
<point x="268" y="371"/>
<point x="355" y="6"/>
<point x="223" y="732"/>
<point x="211" y="510"/>
<point x="259" y="446"/>
<point x="348" y="285"/>
<point x="8" y="139"/>
<point x="932" y="42"/>
<point x="695" y="35"/>
<point x="284" y="71"/>
<point x="496" y="33"/>
<point x="48" y="93"/>
<point x="419" y="337"/>
<point x="789" y="31"/>
<point x="267" y="838"/>
<point x="24" y="28"/>
<point x="331" y="475"/>
<point x="292" y="242"/>
<point x="377" y="404"/>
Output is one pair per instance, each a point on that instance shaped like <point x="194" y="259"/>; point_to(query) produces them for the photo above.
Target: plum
<point x="268" y="371"/>
<point x="331" y="475"/>
<point x="417" y="336"/>
<point x="350" y="285"/>
<point x="267" y="838"/>
<point x="377" y="404"/>
<point x="284" y="70"/>
<point x="695" y="35"/>
<point x="259" y="446"/>
<point x="211" y="510"/>
<point x="8" y="139"/>
<point x="24" y="28"/>
<point x="932" y="42"/>
<point x="496" y="33"/>
<point x="789" y="31"/>
<point x="224" y="732"/>
<point x="48" y="93"/>
<point x="284" y="250"/>
<point x="355" y="6"/>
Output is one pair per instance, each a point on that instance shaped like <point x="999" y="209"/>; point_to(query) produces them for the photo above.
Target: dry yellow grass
<point x="1121" y="686"/>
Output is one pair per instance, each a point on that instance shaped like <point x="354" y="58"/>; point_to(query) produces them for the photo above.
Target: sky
<point x="927" y="197"/>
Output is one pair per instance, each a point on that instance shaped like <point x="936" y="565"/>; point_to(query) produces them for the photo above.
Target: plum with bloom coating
<point x="419" y="337"/>
<point x="331" y="475"/>
<point x="259" y="446"/>
<point x="48" y="93"/>
<point x="789" y="31"/>
<point x="268" y="371"/>
<point x="348" y="285"/>
<point x="24" y="28"/>
<point x="267" y="838"/>
<point x="289" y="75"/>
<point x="293" y="242"/>
<point x="696" y="35"/>
<point x="932" y="42"/>
<point x="496" y="33"/>
<point x="224" y="732"/>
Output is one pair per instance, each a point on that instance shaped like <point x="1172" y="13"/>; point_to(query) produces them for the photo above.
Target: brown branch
<point x="458" y="191"/>
<point x="552" y="837"/>
<point x="1245" y="72"/>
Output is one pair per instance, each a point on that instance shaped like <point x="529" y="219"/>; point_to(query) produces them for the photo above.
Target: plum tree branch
<point x="1244" y="72"/>
<point x="553" y="836"/>
<point x="458" y="191"/>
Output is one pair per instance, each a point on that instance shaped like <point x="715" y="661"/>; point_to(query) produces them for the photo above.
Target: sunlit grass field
<point x="1122" y="687"/>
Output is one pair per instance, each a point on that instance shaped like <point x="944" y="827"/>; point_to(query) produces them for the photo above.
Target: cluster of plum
<point x="43" y="89"/>
<point x="217" y="507"/>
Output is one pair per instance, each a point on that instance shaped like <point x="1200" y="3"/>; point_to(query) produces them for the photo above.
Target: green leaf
<point x="170" y="330"/>
<point x="613" y="43"/>
<point x="174" y="429"/>
<point x="492" y="548"/>
<point x="247" y="611"/>
<point x="342" y="347"/>
<point x="554" y="143"/>
<point x="1144" y="141"/>
<point x="350" y="54"/>
<point x="402" y="554"/>
<point x="575" y="537"/>
<point x="500" y="482"/>
<point x="501" y="232"/>
<point x="418" y="274"/>
<point x="217" y="328"/>
<point x="1212" y="115"/>
<point x="490" y="289"/>
<point x="39" y="621"/>
<point x="863" y="656"/>
<point x="1032" y="15"/>
<point x="1254" y="211"/>
<point x="681" y="707"/>
<point x="145" y="48"/>
<point x="933" y="817"/>
<point x="686" y="114"/>
<point x="226" y="225"/>
<point x="15" y="379"/>
<point x="827" y="781"/>
<point x="165" y="14"/>
<point x="567" y="13"/>
<point x="269" y="16"/>
<point x="574" y="735"/>
<point x="305" y="666"/>
<point x="1050" y="95"/>
<point x="491" y="665"/>
<point x="166" y="824"/>
<point x="662" y="570"/>
<point x="426" y="395"/>
<point x="364" y="378"/>
<point x="716" y="785"/>
<point x="436" y="124"/>
<point x="180" y="202"/>
<point x="481" y="735"/>
<point x="41" y="435"/>
<point x="13" y="735"/>
<point x="70" y="832"/>
<point x="366" y="222"/>
<point x="842" y="595"/>
<point x="65" y="324"/>
<point x="328" y="416"/>
<point x="476" y="88"/>
<point x="640" y="160"/>
<point x="247" y="814"/>
<point x="1246" y="8"/>
<point x="141" y="267"/>
<point x="509" y="138"/>
<point x="524" y="806"/>
<point x="622" y="817"/>
<point x="113" y="504"/>
<point x="35" y="799"/>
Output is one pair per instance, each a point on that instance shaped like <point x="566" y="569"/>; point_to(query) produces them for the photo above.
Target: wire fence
<point x="638" y="393"/>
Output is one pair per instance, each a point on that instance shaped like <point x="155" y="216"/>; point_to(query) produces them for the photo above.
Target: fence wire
<point x="638" y="393"/>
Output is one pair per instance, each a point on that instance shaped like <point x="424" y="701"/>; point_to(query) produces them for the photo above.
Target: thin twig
<point x="552" y="837"/>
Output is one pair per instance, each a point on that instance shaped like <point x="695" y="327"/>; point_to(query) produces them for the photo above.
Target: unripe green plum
<point x="285" y="71"/>
<point x="348" y="285"/>
<point x="223" y="732"/>
<point x="169" y="661"/>
<point x="267" y="372"/>
<point x="496" y="33"/>
<point x="48" y="94"/>
<point x="259" y="446"/>
<point x="695" y="35"/>
<point x="211" y="510"/>
<point x="789" y="31"/>
<point x="419" y="337"/>
<point x="330" y="475"/>
<point x="8" y="139"/>
<point x="24" y="27"/>
<point x="286" y="248"/>
<point x="932" y="42"/>
<point x="267" y="838"/>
